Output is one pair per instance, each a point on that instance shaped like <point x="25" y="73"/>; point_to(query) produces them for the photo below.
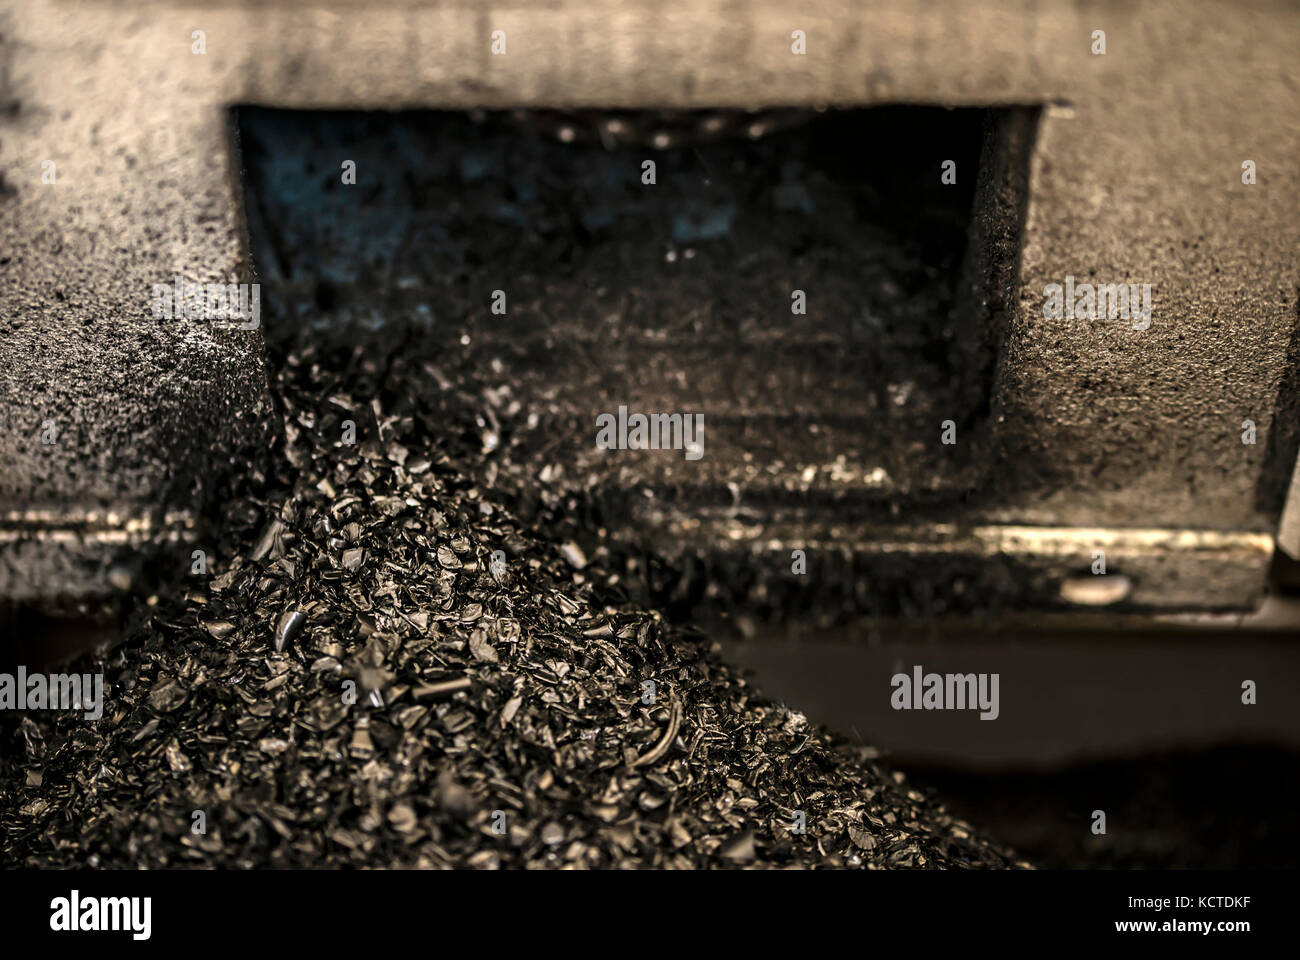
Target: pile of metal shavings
<point x="359" y="683"/>
<point x="415" y="650"/>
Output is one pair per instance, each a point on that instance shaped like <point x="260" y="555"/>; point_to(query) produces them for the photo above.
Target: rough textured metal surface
<point x="146" y="414"/>
<point x="1135" y="176"/>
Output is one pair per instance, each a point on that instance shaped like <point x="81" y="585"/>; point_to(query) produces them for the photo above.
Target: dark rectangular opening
<point x="674" y="296"/>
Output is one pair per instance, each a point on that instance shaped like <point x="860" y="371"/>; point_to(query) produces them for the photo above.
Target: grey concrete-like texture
<point x="1135" y="176"/>
<point x="146" y="415"/>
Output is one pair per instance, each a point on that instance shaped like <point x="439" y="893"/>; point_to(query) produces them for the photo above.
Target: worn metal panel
<point x="1135" y="177"/>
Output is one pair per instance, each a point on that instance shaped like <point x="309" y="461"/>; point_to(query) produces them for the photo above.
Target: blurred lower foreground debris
<point x="1229" y="807"/>
<point x="359" y="683"/>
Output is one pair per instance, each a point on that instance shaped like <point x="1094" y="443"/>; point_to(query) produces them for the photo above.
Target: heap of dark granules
<point x="359" y="683"/>
<point x="414" y="651"/>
